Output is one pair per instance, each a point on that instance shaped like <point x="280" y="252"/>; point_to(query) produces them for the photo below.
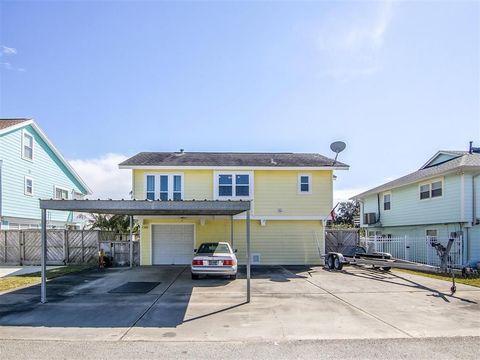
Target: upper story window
<point x="304" y="184"/>
<point x="431" y="190"/>
<point x="233" y="185"/>
<point x="150" y="188"/>
<point x="61" y="193"/>
<point x="387" y="201"/>
<point x="28" y="186"/>
<point x="164" y="187"/>
<point x="27" y="146"/>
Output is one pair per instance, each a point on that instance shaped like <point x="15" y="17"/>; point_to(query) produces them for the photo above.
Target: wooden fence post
<point x="6" y="258"/>
<point x="83" y="248"/>
<point x="21" y="248"/>
<point x="66" y="253"/>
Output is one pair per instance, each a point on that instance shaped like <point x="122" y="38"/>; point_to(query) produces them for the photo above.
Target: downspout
<point x="378" y="206"/>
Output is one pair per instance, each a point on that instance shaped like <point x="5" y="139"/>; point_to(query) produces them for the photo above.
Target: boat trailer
<point x="358" y="255"/>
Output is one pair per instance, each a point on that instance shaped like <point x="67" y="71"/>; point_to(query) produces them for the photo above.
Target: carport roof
<point x="147" y="207"/>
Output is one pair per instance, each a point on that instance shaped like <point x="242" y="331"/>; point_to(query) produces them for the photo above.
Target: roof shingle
<point x="231" y="159"/>
<point x="6" y="123"/>
<point x="465" y="161"/>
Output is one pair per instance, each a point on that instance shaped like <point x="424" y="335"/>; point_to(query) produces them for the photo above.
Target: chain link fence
<point x="23" y="247"/>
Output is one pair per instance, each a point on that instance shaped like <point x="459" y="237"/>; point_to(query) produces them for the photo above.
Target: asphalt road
<point x="438" y="348"/>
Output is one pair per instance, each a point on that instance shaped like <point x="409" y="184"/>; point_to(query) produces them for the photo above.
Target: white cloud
<point x="8" y="50"/>
<point x="351" y="45"/>
<point x="345" y="194"/>
<point x="104" y="177"/>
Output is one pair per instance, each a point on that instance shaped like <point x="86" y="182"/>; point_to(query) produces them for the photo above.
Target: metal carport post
<point x="145" y="208"/>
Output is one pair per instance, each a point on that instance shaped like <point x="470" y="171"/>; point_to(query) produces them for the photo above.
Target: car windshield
<point x="212" y="248"/>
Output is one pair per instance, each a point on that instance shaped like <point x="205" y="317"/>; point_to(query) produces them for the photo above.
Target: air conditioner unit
<point x="369" y="218"/>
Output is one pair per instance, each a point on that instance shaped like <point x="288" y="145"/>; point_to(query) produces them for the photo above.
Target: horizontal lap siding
<point x="45" y="170"/>
<point x="279" y="242"/>
<point x="276" y="194"/>
<point x="408" y="209"/>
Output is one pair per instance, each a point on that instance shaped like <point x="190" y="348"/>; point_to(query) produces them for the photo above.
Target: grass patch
<point x="17" y="281"/>
<point x="472" y="281"/>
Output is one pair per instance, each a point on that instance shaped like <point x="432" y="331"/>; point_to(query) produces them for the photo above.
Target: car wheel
<point x="386" y="268"/>
<point x="194" y="277"/>
<point x="338" y="264"/>
<point x="232" y="277"/>
<point x="331" y="262"/>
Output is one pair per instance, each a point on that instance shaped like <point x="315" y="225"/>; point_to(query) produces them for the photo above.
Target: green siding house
<point x="32" y="168"/>
<point x="441" y="200"/>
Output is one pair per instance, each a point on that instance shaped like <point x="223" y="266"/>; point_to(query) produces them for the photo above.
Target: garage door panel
<point x="172" y="244"/>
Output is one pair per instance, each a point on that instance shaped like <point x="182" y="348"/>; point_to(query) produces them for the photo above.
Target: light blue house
<point x="32" y="168"/>
<point x="441" y="200"/>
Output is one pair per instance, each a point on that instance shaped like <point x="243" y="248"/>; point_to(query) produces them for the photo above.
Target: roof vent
<point x="181" y="152"/>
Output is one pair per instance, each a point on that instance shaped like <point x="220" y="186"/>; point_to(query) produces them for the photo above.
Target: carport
<point x="143" y="208"/>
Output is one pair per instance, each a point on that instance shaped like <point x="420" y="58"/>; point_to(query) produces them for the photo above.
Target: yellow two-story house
<point x="291" y="197"/>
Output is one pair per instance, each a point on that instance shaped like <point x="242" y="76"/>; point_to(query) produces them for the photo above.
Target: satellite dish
<point x="337" y="147"/>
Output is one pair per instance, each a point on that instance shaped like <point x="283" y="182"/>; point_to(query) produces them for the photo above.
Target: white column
<point x="131" y="241"/>
<point x="43" y="292"/>
<point x="249" y="256"/>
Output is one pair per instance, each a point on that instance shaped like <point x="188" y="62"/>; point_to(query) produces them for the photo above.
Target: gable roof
<point x="463" y="161"/>
<point x="230" y="159"/>
<point x="8" y="125"/>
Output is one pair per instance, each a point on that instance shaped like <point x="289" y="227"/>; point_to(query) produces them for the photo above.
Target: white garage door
<point x="172" y="244"/>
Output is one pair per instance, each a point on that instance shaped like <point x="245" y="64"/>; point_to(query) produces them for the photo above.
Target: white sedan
<point x="215" y="258"/>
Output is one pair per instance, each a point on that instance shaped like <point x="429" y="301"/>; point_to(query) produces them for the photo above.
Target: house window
<point x="28" y="186"/>
<point x="436" y="189"/>
<point x="304" y="186"/>
<point x="233" y="185"/>
<point x="150" y="187"/>
<point x="61" y="193"/>
<point x="27" y="146"/>
<point x="225" y="185"/>
<point x="177" y="187"/>
<point x="431" y="190"/>
<point x="387" y="201"/>
<point x="164" y="187"/>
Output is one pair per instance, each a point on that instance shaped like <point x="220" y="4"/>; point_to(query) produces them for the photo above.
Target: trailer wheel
<point x="330" y="262"/>
<point x="338" y="264"/>
<point x="386" y="268"/>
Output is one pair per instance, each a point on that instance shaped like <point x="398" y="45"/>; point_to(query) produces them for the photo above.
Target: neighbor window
<point x="387" y="201"/>
<point x="28" y="188"/>
<point x="436" y="189"/>
<point x="164" y="187"/>
<point x="304" y="184"/>
<point x="61" y="194"/>
<point x="27" y="146"/>
<point x="233" y="185"/>
<point x="431" y="190"/>
<point x="150" y="187"/>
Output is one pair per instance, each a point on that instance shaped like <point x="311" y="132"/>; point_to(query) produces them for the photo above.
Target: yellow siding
<point x="276" y="194"/>
<point x="273" y="190"/>
<point x="279" y="242"/>
<point x="198" y="183"/>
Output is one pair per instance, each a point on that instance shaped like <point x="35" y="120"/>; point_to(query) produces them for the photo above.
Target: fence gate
<point x="341" y="240"/>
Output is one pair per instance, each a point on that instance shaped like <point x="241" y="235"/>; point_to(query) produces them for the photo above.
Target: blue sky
<point x="395" y="80"/>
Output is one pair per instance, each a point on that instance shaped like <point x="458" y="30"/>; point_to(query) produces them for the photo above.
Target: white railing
<point x="419" y="250"/>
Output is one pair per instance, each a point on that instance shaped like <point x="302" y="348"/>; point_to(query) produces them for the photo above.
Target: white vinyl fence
<point x="419" y="250"/>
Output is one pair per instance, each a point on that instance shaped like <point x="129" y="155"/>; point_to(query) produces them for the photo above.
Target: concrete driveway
<point x="288" y="303"/>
